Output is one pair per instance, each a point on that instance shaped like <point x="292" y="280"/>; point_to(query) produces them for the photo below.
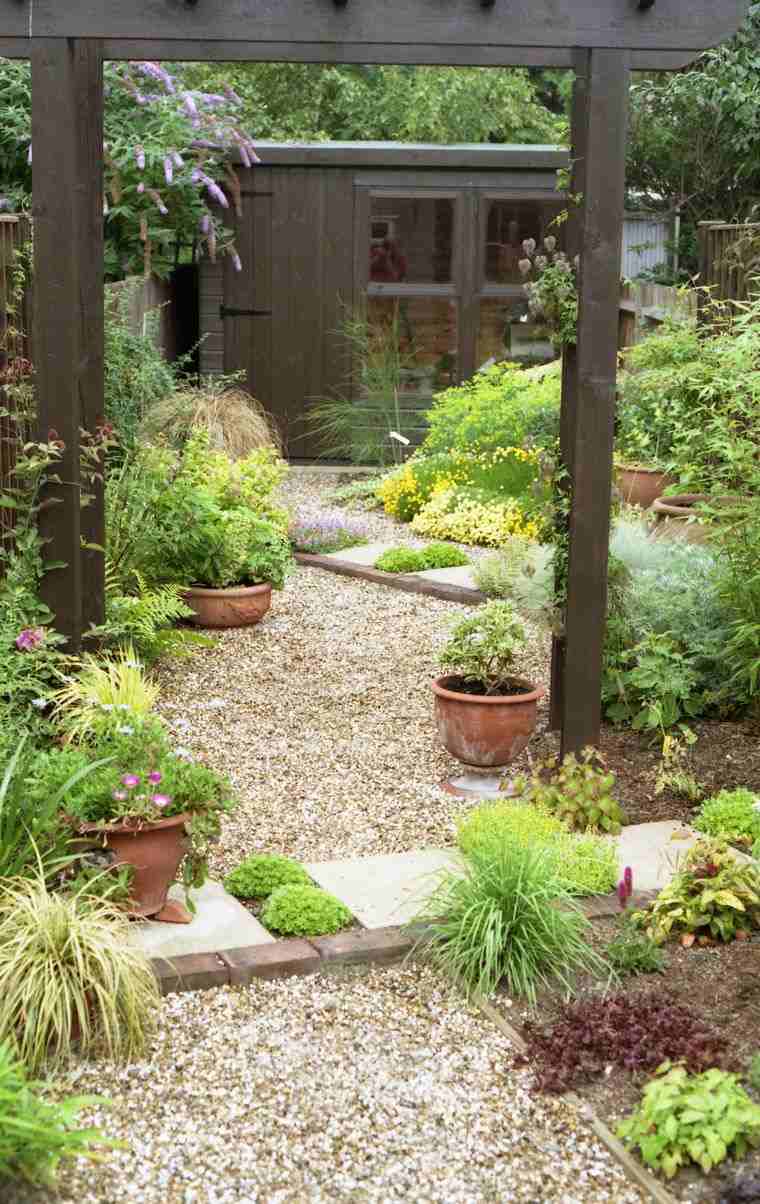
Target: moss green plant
<point x="399" y="560"/>
<point x="732" y="814"/>
<point x="299" y="910"/>
<point x="262" y="873"/>
<point x="412" y="560"/>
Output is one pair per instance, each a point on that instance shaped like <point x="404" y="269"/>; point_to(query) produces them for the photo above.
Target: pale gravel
<point x="372" y="1089"/>
<point x="322" y="716"/>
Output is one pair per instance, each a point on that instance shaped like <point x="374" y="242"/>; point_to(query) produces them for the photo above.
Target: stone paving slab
<point x="367" y="553"/>
<point x="220" y="922"/>
<point x="386" y="889"/>
<point x="458" y="574"/>
<point x="653" y="851"/>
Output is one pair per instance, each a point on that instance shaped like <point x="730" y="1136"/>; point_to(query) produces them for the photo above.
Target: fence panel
<point x="729" y="257"/>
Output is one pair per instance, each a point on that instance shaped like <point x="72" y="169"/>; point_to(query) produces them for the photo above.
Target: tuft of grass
<point x="103" y="686"/>
<point x="236" y="422"/>
<point x="507" y="919"/>
<point x="70" y="972"/>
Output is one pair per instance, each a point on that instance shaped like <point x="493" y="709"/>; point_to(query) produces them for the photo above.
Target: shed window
<point x="508" y="223"/>
<point x="411" y="240"/>
<point x="413" y="346"/>
<point x="504" y="334"/>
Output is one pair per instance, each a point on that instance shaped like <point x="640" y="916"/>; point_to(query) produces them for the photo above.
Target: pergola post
<point x="600" y="110"/>
<point x="67" y="174"/>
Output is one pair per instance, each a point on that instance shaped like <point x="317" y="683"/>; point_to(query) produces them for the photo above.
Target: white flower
<point x="106" y="706"/>
<point x="39" y="703"/>
<point x="183" y="753"/>
<point x="125" y="730"/>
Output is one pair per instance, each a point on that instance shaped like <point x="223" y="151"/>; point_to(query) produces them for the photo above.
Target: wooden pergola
<point x="601" y="40"/>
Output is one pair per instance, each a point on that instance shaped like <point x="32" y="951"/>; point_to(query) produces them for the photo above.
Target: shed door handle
<point x="231" y="311"/>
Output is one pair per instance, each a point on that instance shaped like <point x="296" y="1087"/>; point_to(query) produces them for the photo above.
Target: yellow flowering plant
<point x="452" y="515"/>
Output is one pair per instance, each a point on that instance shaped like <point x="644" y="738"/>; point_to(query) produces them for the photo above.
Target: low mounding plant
<point x="70" y="971"/>
<point x="586" y="864"/>
<point x="732" y="815"/>
<point x="412" y="560"/>
<point x="36" y="1135"/>
<point x="104" y="686"/>
<point x="482" y="648"/>
<point x="260" y="874"/>
<point x="633" y="952"/>
<point x="714" y="897"/>
<point x="236" y="423"/>
<point x="508" y="918"/>
<point x="301" y="910"/>
<point x="326" y="531"/>
<point x="685" y="1118"/>
<point x="578" y="792"/>
<point x="634" y="1032"/>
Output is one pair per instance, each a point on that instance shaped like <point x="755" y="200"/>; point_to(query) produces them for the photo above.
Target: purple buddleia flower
<point x="157" y="72"/>
<point x="158" y="201"/>
<point x="189" y="103"/>
<point x="205" y="224"/>
<point x="168" y="169"/>
<point x="232" y="95"/>
<point x="216" y="193"/>
<point x="213" y="100"/>
<point x="30" y="638"/>
<point x="140" y="158"/>
<point x="236" y="262"/>
<point x="245" y="156"/>
<point x="141" y="187"/>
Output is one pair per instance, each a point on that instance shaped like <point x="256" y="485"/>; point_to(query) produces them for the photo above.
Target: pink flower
<point x="160" y="800"/>
<point x="628" y="880"/>
<point x="130" y="780"/>
<point x="119" y="795"/>
<point x="622" y="893"/>
<point x="30" y="638"/>
<point x="154" y="777"/>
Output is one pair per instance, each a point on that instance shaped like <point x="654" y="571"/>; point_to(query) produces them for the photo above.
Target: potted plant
<point x="150" y="806"/>
<point x="218" y="534"/>
<point x="691" y="516"/>
<point x="485" y="714"/>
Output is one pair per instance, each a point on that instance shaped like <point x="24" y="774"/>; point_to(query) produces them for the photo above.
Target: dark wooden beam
<point x="68" y="323"/>
<point x="616" y="24"/>
<point x="590" y="413"/>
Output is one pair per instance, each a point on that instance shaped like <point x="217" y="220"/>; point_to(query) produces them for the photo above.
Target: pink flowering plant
<point x="146" y="779"/>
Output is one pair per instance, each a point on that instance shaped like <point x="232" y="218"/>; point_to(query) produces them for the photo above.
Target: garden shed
<point x="429" y="236"/>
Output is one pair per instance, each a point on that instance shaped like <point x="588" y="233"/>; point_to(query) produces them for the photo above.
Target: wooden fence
<point x="729" y="257"/>
<point x="644" y="306"/>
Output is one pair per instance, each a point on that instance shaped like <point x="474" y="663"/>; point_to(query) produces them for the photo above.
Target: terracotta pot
<point x="641" y="486"/>
<point x="677" y="516"/>
<point x="155" y="852"/>
<point x="485" y="730"/>
<point x="239" y="606"/>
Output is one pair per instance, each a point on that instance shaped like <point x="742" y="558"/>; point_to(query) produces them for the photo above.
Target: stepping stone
<point x="387" y="889"/>
<point x="459" y="574"/>
<point x="365" y="554"/>
<point x="653" y="851"/>
<point x="220" y="922"/>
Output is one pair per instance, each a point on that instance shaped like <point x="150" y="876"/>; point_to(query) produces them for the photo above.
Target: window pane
<point x="412" y="346"/>
<point x="502" y="335"/>
<point x="508" y="224"/>
<point x="411" y="240"/>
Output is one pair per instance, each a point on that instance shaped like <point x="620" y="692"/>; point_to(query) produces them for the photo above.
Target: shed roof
<point x="412" y="154"/>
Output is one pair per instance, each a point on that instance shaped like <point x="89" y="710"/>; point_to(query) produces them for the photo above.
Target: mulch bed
<point x="719" y="984"/>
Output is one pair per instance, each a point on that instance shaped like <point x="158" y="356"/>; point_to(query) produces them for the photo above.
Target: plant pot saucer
<point x="473" y="783"/>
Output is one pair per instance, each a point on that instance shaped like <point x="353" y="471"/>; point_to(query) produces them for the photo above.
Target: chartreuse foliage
<point x="260" y="874"/>
<point x="304" y="910"/>
<point x="36" y="1136"/>
<point x="414" y="560"/>
<point x="685" y="1118"/>
<point x="731" y="815"/>
<point x="586" y="864"/>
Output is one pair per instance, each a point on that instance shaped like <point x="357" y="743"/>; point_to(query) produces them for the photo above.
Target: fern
<point x="146" y="620"/>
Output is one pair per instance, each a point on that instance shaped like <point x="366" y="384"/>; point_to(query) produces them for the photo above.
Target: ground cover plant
<point x="632" y="1032"/>
<point x="712" y="897"/>
<point x="702" y="1118"/>
<point x="586" y="864"/>
<point x="260" y="874"/>
<point x="36" y="1134"/>
<point x="732" y="815"/>
<point x="633" y="952"/>
<point x="325" y="531"/>
<point x="300" y="909"/>
<point x="507" y="919"/>
<point x="417" y="560"/>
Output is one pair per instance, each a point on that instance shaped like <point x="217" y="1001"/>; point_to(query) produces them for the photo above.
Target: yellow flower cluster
<point x="468" y="521"/>
<point x="399" y="489"/>
<point x="405" y="491"/>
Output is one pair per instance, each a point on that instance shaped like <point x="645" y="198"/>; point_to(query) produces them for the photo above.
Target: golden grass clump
<point x="236" y="422"/>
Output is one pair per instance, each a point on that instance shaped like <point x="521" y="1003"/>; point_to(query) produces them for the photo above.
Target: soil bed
<point x="718" y="984"/>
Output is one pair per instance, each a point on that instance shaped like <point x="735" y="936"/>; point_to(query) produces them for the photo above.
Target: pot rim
<point x="231" y="591"/>
<point x="124" y="829"/>
<point x="649" y="469"/>
<point x="536" y="692"/>
<point x="678" y="505"/>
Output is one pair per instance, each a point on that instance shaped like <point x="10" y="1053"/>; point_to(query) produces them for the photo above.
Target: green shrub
<point x="586" y="864"/>
<point x="299" y="910"/>
<point x="578" y="792"/>
<point x="483" y="646"/>
<point x="495" y="409"/>
<point x="443" y="556"/>
<point x="753" y="1072"/>
<point x="399" y="560"/>
<point x="35" y="1135"/>
<point x="732" y="814"/>
<point x="67" y="963"/>
<point x="507" y="919"/>
<point x="685" y="1118"/>
<point x="714" y="895"/>
<point x="136" y="375"/>
<point x="260" y="874"/>
<point x="496" y="576"/>
<point x="633" y="952"/>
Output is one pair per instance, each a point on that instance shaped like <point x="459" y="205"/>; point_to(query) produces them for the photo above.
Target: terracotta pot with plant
<point x="485" y="714"/>
<point x="218" y="534"/>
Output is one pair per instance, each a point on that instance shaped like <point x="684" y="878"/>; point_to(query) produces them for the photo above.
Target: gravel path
<point x="322" y="716"/>
<point x="371" y="1089"/>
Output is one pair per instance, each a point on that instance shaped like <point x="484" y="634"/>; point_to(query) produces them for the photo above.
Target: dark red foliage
<point x="629" y="1032"/>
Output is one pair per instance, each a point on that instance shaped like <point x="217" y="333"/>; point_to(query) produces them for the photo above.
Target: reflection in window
<point x="503" y="334"/>
<point x="413" y="345"/>
<point x="411" y="240"/>
<point x="508" y="224"/>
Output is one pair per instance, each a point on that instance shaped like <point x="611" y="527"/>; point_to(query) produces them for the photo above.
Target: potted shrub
<point x="218" y="534"/>
<point x="690" y="516"/>
<point x="485" y="714"/>
<point x="150" y="806"/>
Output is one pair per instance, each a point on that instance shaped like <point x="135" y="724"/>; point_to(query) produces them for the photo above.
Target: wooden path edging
<point x="409" y="583"/>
